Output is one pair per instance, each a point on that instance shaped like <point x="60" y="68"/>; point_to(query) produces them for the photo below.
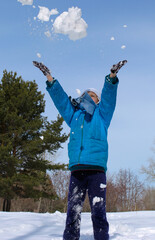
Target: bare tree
<point x="111" y="195"/>
<point x="149" y="171"/>
<point x="129" y="190"/>
<point x="60" y="180"/>
<point x="149" y="198"/>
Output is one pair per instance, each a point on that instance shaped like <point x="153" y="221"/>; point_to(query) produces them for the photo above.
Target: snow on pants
<point x="95" y="183"/>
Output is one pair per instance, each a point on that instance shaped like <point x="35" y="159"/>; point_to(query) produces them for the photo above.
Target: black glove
<point x="42" y="67"/>
<point x="116" y="67"/>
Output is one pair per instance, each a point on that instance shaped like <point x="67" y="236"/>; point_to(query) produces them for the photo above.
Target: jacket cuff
<point x="50" y="84"/>
<point x="112" y="80"/>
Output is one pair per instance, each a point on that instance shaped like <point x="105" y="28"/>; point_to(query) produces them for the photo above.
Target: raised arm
<point x="61" y="100"/>
<point x="58" y="95"/>
<point x="109" y="93"/>
<point x="108" y="98"/>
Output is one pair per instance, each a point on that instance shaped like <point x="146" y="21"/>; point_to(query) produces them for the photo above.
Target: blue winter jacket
<point x="88" y="136"/>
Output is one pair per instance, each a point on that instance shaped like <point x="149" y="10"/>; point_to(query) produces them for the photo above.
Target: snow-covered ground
<point x="34" y="226"/>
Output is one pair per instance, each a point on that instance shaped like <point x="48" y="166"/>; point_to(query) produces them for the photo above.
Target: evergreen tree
<point x="25" y="136"/>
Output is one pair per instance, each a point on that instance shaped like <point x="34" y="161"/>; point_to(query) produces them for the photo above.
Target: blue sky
<point x="84" y="63"/>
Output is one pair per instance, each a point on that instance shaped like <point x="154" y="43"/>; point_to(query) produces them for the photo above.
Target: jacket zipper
<point x="81" y="142"/>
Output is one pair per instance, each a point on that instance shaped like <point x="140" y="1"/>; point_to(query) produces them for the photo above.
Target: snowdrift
<point x="35" y="226"/>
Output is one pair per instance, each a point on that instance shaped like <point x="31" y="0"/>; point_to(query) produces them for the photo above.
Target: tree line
<point x="125" y="192"/>
<point x="26" y="139"/>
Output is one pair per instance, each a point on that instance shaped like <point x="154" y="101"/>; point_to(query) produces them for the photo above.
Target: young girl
<point x="89" y="117"/>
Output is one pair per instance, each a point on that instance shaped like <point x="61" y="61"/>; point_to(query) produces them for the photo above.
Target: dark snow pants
<point x="95" y="183"/>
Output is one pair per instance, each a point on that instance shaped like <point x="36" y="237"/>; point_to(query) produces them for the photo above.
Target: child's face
<point x="93" y="96"/>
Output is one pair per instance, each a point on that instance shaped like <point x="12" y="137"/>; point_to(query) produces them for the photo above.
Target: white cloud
<point x="38" y="55"/>
<point x="125" y="26"/>
<point x="54" y="11"/>
<point x="45" y="13"/>
<point x="48" y="34"/>
<point x="112" y="38"/>
<point x="123" y="46"/>
<point x="70" y="23"/>
<point x="26" y="2"/>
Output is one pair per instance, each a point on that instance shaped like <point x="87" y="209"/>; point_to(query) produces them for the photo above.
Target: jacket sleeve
<point x="108" y="100"/>
<point x="61" y="101"/>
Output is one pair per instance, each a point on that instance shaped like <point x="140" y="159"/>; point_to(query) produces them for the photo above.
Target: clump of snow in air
<point x="112" y="38"/>
<point x="125" y="26"/>
<point x="47" y="34"/>
<point x="96" y="200"/>
<point x="78" y="91"/>
<point x="46" y="226"/>
<point x="26" y="2"/>
<point x="71" y="23"/>
<point x="123" y="46"/>
<point x="103" y="185"/>
<point x="38" y="55"/>
<point x="45" y="13"/>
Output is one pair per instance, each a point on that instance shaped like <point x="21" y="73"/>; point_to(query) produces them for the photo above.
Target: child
<point x="88" y="117"/>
